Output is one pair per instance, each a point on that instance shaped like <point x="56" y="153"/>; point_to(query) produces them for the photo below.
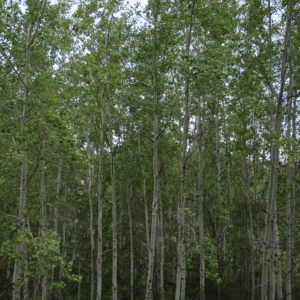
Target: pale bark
<point x="23" y="188"/>
<point x="181" y="251"/>
<point x="200" y="182"/>
<point x="289" y="201"/>
<point x="129" y="199"/>
<point x="90" y="151"/>
<point x="25" y="275"/>
<point x="271" y="68"/>
<point x="218" y="182"/>
<point x="100" y="210"/>
<point x="64" y="248"/>
<point x="247" y="201"/>
<point x="114" y="207"/>
<point x="251" y="250"/>
<point x="272" y="262"/>
<point x="58" y="187"/>
<point x="266" y="243"/>
<point x="43" y="225"/>
<point x="278" y="271"/>
<point x="155" y="201"/>
<point x="56" y="211"/>
<point x="144" y="198"/>
<point x="112" y="161"/>
<point x="162" y="246"/>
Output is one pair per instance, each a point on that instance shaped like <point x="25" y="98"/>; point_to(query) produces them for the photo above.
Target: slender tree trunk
<point x="278" y="271"/>
<point x="144" y="198"/>
<point x="271" y="68"/>
<point x="162" y="246"/>
<point x="155" y="202"/>
<point x="266" y="244"/>
<point x="272" y="262"/>
<point x="200" y="182"/>
<point x="64" y="248"/>
<point x="25" y="275"/>
<point x="23" y="188"/>
<point x="247" y="200"/>
<point x="293" y="198"/>
<point x="114" y="209"/>
<point x="56" y="210"/>
<point x="289" y="200"/>
<point x="90" y="151"/>
<point x="112" y="163"/>
<point x="129" y="199"/>
<point x="251" y="251"/>
<point x="100" y="204"/>
<point x="220" y="228"/>
<point x="79" y="282"/>
<point x="181" y="251"/>
<point x="58" y="186"/>
<point x="43" y="226"/>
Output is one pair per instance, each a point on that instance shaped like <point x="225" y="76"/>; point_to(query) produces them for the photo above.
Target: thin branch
<point x="33" y="39"/>
<point x="10" y="216"/>
<point x="13" y="67"/>
<point x="10" y="110"/>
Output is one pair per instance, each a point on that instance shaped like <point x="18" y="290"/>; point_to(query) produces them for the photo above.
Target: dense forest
<point x="149" y="152"/>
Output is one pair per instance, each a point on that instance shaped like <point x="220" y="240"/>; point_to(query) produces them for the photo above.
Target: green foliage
<point x="37" y="250"/>
<point x="101" y="67"/>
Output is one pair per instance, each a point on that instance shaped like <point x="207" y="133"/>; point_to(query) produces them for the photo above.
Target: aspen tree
<point x="43" y="224"/>
<point x="201" y="146"/>
<point x="181" y="253"/>
<point x="100" y="207"/>
<point x="271" y="229"/>
<point x="90" y="155"/>
<point x="32" y="32"/>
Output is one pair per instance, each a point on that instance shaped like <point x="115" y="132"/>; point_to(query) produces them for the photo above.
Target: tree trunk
<point x="90" y="154"/>
<point x="289" y="200"/>
<point x="114" y="208"/>
<point x="220" y="229"/>
<point x="271" y="230"/>
<point x="200" y="182"/>
<point x="129" y="199"/>
<point x="100" y="210"/>
<point x="79" y="282"/>
<point x="56" y="210"/>
<point x="25" y="276"/>
<point x="181" y="252"/>
<point x="58" y="186"/>
<point x="162" y="246"/>
<point x="155" y="201"/>
<point x="43" y="225"/>
<point x="144" y="198"/>
<point x="247" y="200"/>
<point x="23" y="188"/>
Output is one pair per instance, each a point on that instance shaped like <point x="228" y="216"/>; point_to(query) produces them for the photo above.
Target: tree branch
<point x="13" y="67"/>
<point x="10" y="110"/>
